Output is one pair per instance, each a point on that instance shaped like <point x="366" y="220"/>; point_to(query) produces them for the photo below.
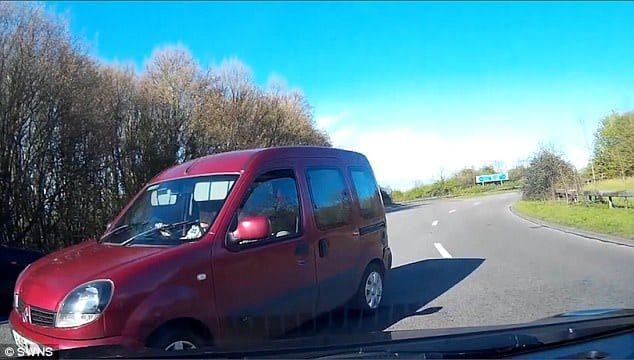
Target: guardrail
<point x="600" y="195"/>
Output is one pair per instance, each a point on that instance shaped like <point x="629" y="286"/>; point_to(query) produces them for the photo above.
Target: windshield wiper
<point x="114" y="231"/>
<point x="118" y="229"/>
<point x="360" y="353"/>
<point x="161" y="227"/>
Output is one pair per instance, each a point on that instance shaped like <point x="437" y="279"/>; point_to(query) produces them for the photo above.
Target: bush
<point x="546" y="172"/>
<point x="479" y="189"/>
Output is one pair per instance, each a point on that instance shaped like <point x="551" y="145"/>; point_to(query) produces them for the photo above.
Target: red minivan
<point x="214" y="250"/>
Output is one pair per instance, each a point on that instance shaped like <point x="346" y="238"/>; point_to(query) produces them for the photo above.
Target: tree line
<point x="613" y="153"/>
<point x="79" y="137"/>
<point x="548" y="172"/>
<point x="462" y="182"/>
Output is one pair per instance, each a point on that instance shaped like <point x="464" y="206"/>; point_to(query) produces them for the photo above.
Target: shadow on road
<point x="400" y="207"/>
<point x="409" y="288"/>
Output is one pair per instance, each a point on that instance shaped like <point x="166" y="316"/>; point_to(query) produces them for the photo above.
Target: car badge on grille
<point x="26" y="314"/>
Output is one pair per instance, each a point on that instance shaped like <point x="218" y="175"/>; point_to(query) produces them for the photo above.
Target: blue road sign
<point x="491" y="178"/>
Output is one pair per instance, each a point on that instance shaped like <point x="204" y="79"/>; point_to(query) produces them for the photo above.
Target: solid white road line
<point x="434" y="223"/>
<point x="452" y="211"/>
<point x="444" y="253"/>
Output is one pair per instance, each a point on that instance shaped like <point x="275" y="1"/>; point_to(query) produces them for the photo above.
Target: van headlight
<point x="84" y="304"/>
<point x="15" y="289"/>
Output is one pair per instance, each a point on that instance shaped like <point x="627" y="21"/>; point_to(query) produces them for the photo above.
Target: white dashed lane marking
<point x="444" y="253"/>
<point x="452" y="211"/>
<point x="434" y="223"/>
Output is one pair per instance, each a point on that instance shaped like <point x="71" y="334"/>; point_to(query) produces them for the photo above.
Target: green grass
<point x="593" y="217"/>
<point x="489" y="188"/>
<point x="451" y="189"/>
<point x="616" y="184"/>
<point x="612" y="185"/>
<point x="468" y="195"/>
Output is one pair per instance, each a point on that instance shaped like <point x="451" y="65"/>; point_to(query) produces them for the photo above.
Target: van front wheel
<point x="370" y="292"/>
<point x="174" y="339"/>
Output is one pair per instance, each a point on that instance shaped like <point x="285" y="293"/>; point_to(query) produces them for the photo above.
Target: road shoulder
<point x="574" y="231"/>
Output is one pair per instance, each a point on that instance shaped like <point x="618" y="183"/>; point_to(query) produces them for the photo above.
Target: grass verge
<point x="450" y="188"/>
<point x="480" y="194"/>
<point x="612" y="185"/>
<point x="593" y="217"/>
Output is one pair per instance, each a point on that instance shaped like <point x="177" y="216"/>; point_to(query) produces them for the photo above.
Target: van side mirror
<point x="252" y="228"/>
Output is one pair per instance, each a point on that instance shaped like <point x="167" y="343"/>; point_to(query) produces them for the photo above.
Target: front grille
<point x="38" y="316"/>
<point x="42" y="317"/>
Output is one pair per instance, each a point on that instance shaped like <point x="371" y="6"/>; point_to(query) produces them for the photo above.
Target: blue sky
<point x="420" y="88"/>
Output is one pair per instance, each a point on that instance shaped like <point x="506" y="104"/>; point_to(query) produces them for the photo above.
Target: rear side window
<point x="367" y="192"/>
<point x="331" y="202"/>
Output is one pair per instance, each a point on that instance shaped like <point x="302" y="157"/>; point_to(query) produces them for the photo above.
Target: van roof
<point x="236" y="161"/>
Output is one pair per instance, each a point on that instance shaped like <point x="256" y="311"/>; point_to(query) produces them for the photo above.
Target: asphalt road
<point x="471" y="262"/>
<point x="503" y="269"/>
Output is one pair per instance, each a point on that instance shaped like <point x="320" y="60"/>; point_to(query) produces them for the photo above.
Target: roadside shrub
<point x="548" y="171"/>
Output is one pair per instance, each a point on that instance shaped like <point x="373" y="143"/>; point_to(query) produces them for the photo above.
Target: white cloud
<point x="341" y="135"/>
<point x="577" y="155"/>
<point x="276" y="82"/>
<point x="326" y="122"/>
<point x="403" y="156"/>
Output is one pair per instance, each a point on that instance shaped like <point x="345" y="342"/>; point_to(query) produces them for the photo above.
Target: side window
<point x="367" y="192"/>
<point x="331" y="203"/>
<point x="274" y="195"/>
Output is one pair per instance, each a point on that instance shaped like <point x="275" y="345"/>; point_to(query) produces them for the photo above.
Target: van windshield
<point x="172" y="212"/>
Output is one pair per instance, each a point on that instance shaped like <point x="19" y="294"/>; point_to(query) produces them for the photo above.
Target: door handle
<point x="323" y="248"/>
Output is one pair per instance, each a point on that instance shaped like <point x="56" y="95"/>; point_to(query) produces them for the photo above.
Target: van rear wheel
<point x="370" y="293"/>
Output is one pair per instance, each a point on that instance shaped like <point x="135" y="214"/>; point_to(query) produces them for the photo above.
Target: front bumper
<point x="17" y="325"/>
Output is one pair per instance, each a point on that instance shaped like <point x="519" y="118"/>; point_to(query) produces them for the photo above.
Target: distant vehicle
<point x="12" y="262"/>
<point x="210" y="249"/>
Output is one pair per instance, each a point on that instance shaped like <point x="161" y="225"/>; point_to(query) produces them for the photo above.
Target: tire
<point x="370" y="292"/>
<point x="175" y="338"/>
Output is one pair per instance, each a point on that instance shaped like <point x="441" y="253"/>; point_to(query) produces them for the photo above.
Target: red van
<point x="214" y="248"/>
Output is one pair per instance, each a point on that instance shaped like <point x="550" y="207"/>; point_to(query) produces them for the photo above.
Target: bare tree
<point x="78" y="138"/>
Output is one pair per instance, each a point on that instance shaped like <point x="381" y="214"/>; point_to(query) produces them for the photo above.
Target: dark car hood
<point x="59" y="272"/>
<point x="466" y="342"/>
